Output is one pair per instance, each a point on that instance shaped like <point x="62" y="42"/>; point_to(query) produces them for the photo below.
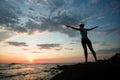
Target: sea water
<point x="15" y="71"/>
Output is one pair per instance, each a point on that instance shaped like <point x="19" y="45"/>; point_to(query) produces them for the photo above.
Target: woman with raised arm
<point x="85" y="40"/>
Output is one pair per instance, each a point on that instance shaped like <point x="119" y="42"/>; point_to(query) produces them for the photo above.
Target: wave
<point x="26" y="72"/>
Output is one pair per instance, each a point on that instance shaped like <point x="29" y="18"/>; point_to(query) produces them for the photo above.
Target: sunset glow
<point x="30" y="60"/>
<point x="34" y="31"/>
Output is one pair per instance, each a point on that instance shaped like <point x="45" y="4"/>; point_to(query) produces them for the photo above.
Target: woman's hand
<point x="67" y="26"/>
<point x="96" y="27"/>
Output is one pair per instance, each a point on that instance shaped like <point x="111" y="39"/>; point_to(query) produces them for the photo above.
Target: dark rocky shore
<point x="101" y="70"/>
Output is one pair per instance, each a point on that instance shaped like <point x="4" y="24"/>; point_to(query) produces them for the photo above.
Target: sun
<point x="30" y="60"/>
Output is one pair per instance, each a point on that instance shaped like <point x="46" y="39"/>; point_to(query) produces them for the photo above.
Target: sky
<point x="34" y="31"/>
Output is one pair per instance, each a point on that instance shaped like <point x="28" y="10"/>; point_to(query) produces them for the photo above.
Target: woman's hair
<point x="81" y="25"/>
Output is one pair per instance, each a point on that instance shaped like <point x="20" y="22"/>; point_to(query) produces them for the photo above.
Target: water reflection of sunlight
<point x="27" y="72"/>
<point x="33" y="72"/>
<point x="28" y="68"/>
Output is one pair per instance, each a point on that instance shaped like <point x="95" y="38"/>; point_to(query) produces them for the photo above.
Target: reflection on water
<point x="25" y="72"/>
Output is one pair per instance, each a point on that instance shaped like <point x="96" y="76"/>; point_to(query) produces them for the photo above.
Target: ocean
<point x="16" y="71"/>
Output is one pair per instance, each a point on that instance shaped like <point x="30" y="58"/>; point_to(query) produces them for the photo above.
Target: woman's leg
<point x="83" y="41"/>
<point x="91" y="49"/>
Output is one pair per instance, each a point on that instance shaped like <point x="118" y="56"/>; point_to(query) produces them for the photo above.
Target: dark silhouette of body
<point x="85" y="41"/>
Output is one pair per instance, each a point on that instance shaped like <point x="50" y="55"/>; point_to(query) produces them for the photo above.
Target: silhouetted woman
<point x="85" y="40"/>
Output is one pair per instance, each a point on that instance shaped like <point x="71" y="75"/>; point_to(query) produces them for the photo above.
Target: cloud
<point x="32" y="26"/>
<point x="118" y="32"/>
<point x="57" y="16"/>
<point x="29" y="1"/>
<point x="100" y="43"/>
<point x="68" y="48"/>
<point x="56" y="5"/>
<point x="36" y="52"/>
<point x="17" y="44"/>
<point x="100" y="17"/>
<point x="108" y="31"/>
<point x="58" y="49"/>
<point x="9" y="16"/>
<point x="52" y="25"/>
<point x="94" y="1"/>
<point x="48" y="46"/>
<point x="51" y="16"/>
<point x="31" y="10"/>
<point x="109" y="51"/>
<point x="4" y="35"/>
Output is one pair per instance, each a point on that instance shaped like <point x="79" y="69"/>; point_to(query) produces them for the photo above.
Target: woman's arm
<point x="72" y="27"/>
<point x="92" y="28"/>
